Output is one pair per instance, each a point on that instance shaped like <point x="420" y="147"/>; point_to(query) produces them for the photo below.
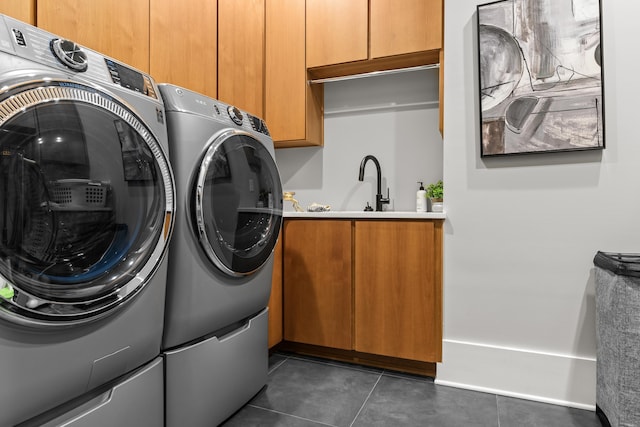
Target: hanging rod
<point x="375" y="73"/>
<point x="381" y="107"/>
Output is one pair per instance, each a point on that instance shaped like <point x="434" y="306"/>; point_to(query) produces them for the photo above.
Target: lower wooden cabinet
<point x="397" y="291"/>
<point x="370" y="287"/>
<point x="275" y="300"/>
<point x="317" y="282"/>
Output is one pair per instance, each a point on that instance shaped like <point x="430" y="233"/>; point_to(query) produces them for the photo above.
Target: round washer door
<point x="237" y="203"/>
<point x="86" y="203"/>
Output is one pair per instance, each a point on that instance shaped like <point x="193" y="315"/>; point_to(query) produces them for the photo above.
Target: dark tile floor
<point x="308" y="392"/>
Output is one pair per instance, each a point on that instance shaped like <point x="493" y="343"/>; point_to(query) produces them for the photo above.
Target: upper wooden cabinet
<point x="183" y="44"/>
<point x="23" y="10"/>
<point x="337" y="31"/>
<point x="372" y="34"/>
<point x="293" y="107"/>
<point x="120" y="32"/>
<point x="241" y="54"/>
<point x="405" y="26"/>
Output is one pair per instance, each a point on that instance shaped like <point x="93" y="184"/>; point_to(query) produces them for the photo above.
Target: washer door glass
<point x="238" y="203"/>
<point x="86" y="203"/>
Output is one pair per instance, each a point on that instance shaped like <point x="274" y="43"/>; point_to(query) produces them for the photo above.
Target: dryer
<point x="86" y="213"/>
<point x="229" y="216"/>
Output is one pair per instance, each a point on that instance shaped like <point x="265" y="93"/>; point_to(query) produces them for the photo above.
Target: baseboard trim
<point x="507" y="393"/>
<point x="558" y="379"/>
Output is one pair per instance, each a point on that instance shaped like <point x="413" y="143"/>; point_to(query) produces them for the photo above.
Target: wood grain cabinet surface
<point x="120" y="32"/>
<point x="397" y="298"/>
<point x="337" y="31"/>
<point x="293" y="106"/>
<point x="275" y="299"/>
<point x="371" y="287"/>
<point x="405" y="26"/>
<point x="241" y="53"/>
<point x="183" y="44"/>
<point x="317" y="282"/>
<point x="22" y="10"/>
<point x="359" y="33"/>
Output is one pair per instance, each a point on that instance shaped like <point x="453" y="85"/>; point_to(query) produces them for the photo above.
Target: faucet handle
<point x="385" y="200"/>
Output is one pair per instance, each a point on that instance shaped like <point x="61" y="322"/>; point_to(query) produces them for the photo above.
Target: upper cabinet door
<point x="293" y="107"/>
<point x="399" y="27"/>
<point x="337" y="31"/>
<point x="183" y="44"/>
<point x="241" y="54"/>
<point x="285" y="73"/>
<point x="23" y="10"/>
<point x="120" y="32"/>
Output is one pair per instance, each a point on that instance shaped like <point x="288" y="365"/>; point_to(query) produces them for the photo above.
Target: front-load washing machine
<point x="229" y="198"/>
<point x="86" y="212"/>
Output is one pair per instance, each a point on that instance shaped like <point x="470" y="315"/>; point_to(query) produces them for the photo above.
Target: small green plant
<point x="435" y="190"/>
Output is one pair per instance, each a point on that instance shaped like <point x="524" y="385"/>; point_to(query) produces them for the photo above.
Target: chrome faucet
<point x="379" y="199"/>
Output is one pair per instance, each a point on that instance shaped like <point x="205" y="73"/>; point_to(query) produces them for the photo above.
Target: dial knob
<point x="70" y="54"/>
<point x="235" y="114"/>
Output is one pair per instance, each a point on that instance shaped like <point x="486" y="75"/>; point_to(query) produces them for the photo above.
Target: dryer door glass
<point x="238" y="203"/>
<point x="86" y="200"/>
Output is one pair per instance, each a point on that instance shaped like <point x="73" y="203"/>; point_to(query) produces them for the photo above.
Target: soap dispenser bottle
<point x="421" y="198"/>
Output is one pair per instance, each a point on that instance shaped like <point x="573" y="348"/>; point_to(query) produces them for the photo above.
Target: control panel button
<point x="236" y="115"/>
<point x="19" y="37"/>
<point x="258" y="125"/>
<point x="69" y="54"/>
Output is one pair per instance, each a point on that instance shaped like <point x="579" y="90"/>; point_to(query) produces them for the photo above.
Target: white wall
<point x="521" y="232"/>
<point x="393" y="117"/>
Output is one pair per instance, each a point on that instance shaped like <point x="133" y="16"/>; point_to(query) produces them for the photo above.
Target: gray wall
<point x="521" y="232"/>
<point x="393" y="117"/>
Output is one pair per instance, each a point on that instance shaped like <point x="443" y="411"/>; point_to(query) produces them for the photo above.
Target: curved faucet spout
<point x="379" y="199"/>
<point x="363" y="163"/>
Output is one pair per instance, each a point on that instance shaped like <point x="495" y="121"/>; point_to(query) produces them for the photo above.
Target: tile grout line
<point x="498" y="410"/>
<point x="290" y="415"/>
<point x="366" y="400"/>
<point x="277" y="365"/>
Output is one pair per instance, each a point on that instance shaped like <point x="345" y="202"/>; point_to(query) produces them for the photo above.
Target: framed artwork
<point x="540" y="69"/>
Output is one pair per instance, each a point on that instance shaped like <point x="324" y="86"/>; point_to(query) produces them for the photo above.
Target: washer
<point x="221" y="258"/>
<point x="86" y="213"/>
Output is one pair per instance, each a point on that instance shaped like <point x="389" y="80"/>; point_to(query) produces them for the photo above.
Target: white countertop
<point x="367" y="215"/>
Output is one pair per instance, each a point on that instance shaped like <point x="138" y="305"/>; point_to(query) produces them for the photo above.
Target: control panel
<point x="235" y="114"/>
<point x="258" y="125"/>
<point x="42" y="47"/>
<point x="130" y="78"/>
<point x="181" y="99"/>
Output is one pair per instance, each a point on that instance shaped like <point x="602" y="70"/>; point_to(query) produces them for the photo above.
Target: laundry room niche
<point x="394" y="117"/>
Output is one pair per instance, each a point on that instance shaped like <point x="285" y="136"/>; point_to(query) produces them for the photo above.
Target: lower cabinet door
<point x="317" y="282"/>
<point x="398" y="289"/>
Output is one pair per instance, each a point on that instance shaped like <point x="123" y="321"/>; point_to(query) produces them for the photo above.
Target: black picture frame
<point x="540" y="74"/>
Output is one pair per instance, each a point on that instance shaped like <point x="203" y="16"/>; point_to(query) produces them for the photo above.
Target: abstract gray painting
<point x="540" y="64"/>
